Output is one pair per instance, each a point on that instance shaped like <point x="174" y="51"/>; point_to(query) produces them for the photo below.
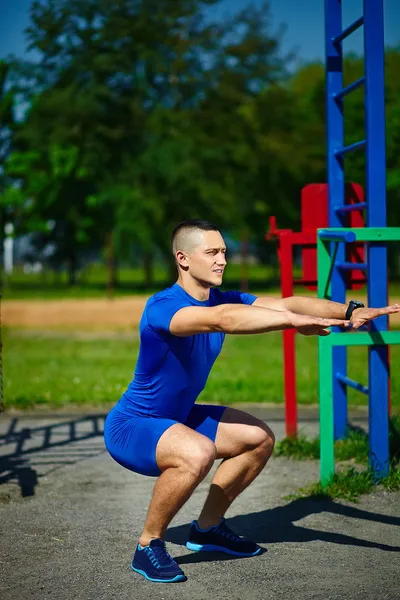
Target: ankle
<point x="145" y="541"/>
<point x="207" y="523"/>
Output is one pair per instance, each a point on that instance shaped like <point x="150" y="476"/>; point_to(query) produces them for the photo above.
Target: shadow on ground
<point x="44" y="441"/>
<point x="278" y="525"/>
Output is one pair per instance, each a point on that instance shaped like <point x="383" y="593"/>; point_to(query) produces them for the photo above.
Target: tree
<point x="9" y="201"/>
<point x="249" y="65"/>
<point x="106" y="67"/>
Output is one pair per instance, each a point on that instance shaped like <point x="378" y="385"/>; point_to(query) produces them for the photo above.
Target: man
<point x="156" y="428"/>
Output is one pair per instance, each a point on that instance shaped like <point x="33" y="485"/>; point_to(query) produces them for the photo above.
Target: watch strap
<point x="353" y="304"/>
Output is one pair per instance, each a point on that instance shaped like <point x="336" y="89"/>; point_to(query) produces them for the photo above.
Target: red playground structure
<point x="314" y="215"/>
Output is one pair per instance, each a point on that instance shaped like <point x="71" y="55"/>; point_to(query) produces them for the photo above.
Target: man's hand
<point x="361" y="316"/>
<point x="308" y="325"/>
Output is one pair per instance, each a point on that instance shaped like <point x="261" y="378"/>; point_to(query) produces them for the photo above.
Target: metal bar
<point x="326" y="421"/>
<point x="348" y="31"/>
<point x="378" y="364"/>
<point x="334" y="121"/>
<point x="326" y="265"/>
<point x="351" y="383"/>
<point x="336" y="188"/>
<point x="366" y="234"/>
<point x="375" y="113"/>
<point x="378" y="234"/>
<point x="351" y="207"/>
<point x="289" y="362"/>
<point x="349" y="266"/>
<point x="372" y="338"/>
<point x="303" y="237"/>
<point x="336" y="236"/>
<point x="351" y="148"/>
<point x="350" y="88"/>
<point x="323" y="268"/>
<point x="289" y="344"/>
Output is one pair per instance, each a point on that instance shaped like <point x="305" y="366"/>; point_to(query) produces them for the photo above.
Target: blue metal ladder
<point x="375" y="205"/>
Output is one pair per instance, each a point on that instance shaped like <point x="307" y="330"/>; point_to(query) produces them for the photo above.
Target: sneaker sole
<point x="174" y="579"/>
<point x="212" y="548"/>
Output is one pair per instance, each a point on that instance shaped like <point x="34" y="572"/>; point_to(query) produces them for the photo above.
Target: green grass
<point x="352" y="482"/>
<point x="61" y="368"/>
<point x="353" y="447"/>
<point x="302" y="448"/>
<point x="57" y="371"/>
<point x="250" y="369"/>
<point x="349" y="485"/>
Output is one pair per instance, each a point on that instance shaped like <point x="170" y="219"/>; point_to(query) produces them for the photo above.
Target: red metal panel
<point x="314" y="215"/>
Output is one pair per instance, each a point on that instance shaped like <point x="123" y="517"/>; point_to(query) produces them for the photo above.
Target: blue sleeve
<point x="160" y="312"/>
<point x="235" y="297"/>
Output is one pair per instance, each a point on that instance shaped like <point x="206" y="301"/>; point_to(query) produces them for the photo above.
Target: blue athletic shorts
<point x="132" y="440"/>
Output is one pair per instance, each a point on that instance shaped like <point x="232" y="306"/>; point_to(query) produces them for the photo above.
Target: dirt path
<point x="120" y="313"/>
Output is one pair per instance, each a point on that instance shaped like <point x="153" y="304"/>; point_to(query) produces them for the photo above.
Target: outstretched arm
<point x="304" y="305"/>
<point x="241" y="318"/>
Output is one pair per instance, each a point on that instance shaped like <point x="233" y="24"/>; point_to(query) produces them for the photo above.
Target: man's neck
<point x="195" y="289"/>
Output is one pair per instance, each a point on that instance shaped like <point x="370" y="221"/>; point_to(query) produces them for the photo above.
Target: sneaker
<point x="220" y="538"/>
<point x="155" y="564"/>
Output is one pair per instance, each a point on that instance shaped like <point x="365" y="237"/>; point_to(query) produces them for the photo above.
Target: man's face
<point x="207" y="259"/>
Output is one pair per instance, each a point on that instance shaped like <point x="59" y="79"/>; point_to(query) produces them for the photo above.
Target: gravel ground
<point x="70" y="518"/>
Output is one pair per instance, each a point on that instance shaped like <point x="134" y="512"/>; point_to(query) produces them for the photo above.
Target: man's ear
<point x="181" y="259"/>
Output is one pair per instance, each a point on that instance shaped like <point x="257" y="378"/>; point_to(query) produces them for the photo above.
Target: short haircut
<point x="180" y="232"/>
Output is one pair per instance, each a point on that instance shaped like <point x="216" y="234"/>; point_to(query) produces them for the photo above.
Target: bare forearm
<point x="239" y="318"/>
<point x="303" y="305"/>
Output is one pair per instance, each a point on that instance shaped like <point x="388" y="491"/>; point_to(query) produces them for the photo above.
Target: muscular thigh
<point x="239" y="432"/>
<point x="180" y="445"/>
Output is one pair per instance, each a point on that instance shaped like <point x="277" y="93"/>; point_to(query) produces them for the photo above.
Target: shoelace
<point x="159" y="556"/>
<point x="228" y="533"/>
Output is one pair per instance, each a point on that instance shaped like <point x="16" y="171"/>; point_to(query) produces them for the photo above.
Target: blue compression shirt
<point x="171" y="371"/>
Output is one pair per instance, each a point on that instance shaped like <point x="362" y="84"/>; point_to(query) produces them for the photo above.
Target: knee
<point x="200" y="458"/>
<point x="266" y="445"/>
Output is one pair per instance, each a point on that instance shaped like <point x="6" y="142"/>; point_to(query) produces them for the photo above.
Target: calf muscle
<point x="184" y="457"/>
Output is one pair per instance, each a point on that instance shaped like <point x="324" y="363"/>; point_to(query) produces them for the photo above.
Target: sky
<point x="304" y="20"/>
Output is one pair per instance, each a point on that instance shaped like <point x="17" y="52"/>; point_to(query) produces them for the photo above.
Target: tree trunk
<point x="1" y="362"/>
<point x="72" y="262"/>
<point x="148" y="270"/>
<point x="244" y="261"/>
<point x="111" y="264"/>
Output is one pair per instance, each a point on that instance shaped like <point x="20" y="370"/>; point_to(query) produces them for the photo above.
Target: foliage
<point x="140" y="114"/>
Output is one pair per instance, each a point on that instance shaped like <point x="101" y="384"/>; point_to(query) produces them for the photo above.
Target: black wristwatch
<point x="353" y="304"/>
